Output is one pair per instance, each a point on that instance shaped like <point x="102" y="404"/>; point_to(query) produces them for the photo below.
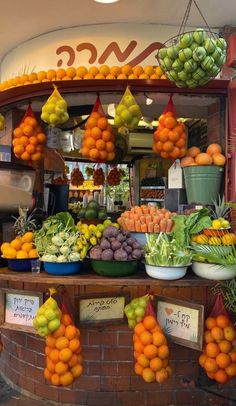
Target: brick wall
<point x="108" y="376"/>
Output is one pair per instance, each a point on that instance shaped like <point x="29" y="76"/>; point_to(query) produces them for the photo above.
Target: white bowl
<point x="212" y="271"/>
<point x="166" y="272"/>
<point x="140" y="237"/>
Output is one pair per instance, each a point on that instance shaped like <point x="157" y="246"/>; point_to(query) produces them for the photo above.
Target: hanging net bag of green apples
<point x="192" y="58"/>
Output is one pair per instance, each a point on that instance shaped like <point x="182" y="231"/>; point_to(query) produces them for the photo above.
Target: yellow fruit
<point x="27" y="246"/>
<point x="216" y="224"/>
<point x="214" y="241"/>
<point x="21" y="254"/>
<point x="201" y="239"/>
<point x="9" y="252"/>
<point x="4" y="246"/>
<point x="33" y="253"/>
<point x="228" y="239"/>
<point x="27" y="237"/>
<point x="16" y="243"/>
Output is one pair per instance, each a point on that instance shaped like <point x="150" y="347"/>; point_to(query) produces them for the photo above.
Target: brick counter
<point x="108" y="376"/>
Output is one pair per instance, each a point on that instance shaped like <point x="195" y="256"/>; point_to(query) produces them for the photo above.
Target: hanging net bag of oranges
<point x="54" y="111"/>
<point x="151" y="350"/>
<point x="98" y="143"/>
<point x="192" y="58"/>
<point x="170" y="137"/>
<point x="218" y="357"/>
<point x="127" y="112"/>
<point x="29" y="138"/>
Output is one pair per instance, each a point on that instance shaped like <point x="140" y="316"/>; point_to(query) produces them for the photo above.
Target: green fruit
<point x="199" y="35"/>
<point x="134" y="303"/>
<point x="191" y="83"/>
<point x="49" y="108"/>
<point x="41" y="321"/>
<point x="62" y="103"/>
<point x="216" y="54"/>
<point x="45" y="117"/>
<point x="126" y="116"/>
<point x="183" y="76"/>
<point x="186" y="40"/>
<point x="134" y="122"/>
<point x="43" y="331"/>
<point x="102" y="215"/>
<point x="172" y="52"/>
<point x="190" y="65"/>
<point x="185" y="54"/>
<point x="130" y="314"/>
<point x="59" y="110"/>
<point x="139" y="311"/>
<point x="221" y="43"/>
<point x="135" y="110"/>
<point x="118" y="122"/>
<point x="208" y="63"/>
<point x="221" y="60"/>
<point x="120" y="108"/>
<point x="53" y="324"/>
<point x="100" y="227"/>
<point x="93" y="204"/>
<point x="50" y="314"/>
<point x="107" y="222"/>
<point x="50" y="302"/>
<point x="90" y="214"/>
<point x="81" y="213"/>
<point x="180" y="84"/>
<point x="199" y="54"/>
<point x="209" y="45"/>
<point x="177" y="65"/>
<point x="139" y="318"/>
<point x="53" y="119"/>
<point x="194" y="45"/>
<point x="162" y="53"/>
<point x="167" y="62"/>
<point x="132" y="323"/>
<point x="172" y="75"/>
<point x="198" y="74"/>
<point x="35" y="324"/>
<point x="128" y="100"/>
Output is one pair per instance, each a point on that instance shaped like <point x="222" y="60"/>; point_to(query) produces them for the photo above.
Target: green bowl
<point x="114" y="268"/>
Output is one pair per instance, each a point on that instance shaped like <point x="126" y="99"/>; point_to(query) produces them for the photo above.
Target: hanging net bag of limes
<point x="192" y="58"/>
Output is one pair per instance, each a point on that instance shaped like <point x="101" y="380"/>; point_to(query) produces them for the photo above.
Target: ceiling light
<point x="106" y="1"/>
<point x="148" y="99"/>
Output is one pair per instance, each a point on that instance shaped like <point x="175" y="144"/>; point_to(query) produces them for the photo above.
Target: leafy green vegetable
<point x="186" y="226"/>
<point x="217" y="254"/>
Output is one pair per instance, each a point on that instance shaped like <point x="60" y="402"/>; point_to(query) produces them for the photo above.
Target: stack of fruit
<point x="212" y="156"/>
<point x="194" y="59"/>
<point x="64" y="362"/>
<point x="48" y="317"/>
<point x="127" y="112"/>
<point x="98" y="141"/>
<point x="77" y="177"/>
<point x="135" y="310"/>
<point x="114" y="177"/>
<point x="98" y="177"/>
<point x="169" y="140"/>
<point x="151" y="351"/>
<point x="29" y="140"/>
<point x="93" y="211"/>
<point x="54" y="111"/>
<point x="218" y="357"/>
<point x="21" y="247"/>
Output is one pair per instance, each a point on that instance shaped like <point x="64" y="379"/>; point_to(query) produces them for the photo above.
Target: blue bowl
<point x="62" y="268"/>
<point x="20" y="265"/>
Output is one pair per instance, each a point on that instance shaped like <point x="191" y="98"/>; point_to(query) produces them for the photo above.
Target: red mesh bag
<point x="98" y="176"/>
<point x="218" y="357"/>
<point x="64" y="362"/>
<point x="151" y="351"/>
<point x="29" y="138"/>
<point x="170" y="137"/>
<point x="98" y="143"/>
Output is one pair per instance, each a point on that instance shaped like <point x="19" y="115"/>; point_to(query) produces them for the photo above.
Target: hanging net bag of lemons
<point x="192" y="58"/>
<point x="54" y="111"/>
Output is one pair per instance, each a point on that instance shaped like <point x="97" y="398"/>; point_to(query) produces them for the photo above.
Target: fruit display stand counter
<point x="107" y="349"/>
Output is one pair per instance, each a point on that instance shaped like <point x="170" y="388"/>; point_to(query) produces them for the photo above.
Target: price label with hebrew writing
<point x="181" y="321"/>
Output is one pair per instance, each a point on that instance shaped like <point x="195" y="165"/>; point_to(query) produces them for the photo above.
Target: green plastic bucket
<point x="202" y="183"/>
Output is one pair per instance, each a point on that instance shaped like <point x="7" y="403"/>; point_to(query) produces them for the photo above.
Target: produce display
<point x="48" y="316"/>
<point x="114" y="177"/>
<point x="77" y="177"/>
<point x="98" y="177"/>
<point x="218" y="357"/>
<point x="127" y="112"/>
<point x="116" y="244"/>
<point x="146" y="219"/>
<point x="194" y="58"/>
<point x="29" y="138"/>
<point x="212" y="156"/>
<point x="152" y="194"/>
<point x="54" y="111"/>
<point x="64" y="362"/>
<point x="93" y="211"/>
<point x="135" y="310"/>
<point x="2" y="122"/>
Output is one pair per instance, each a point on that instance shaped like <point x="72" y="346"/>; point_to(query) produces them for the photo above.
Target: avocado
<point x="102" y="215"/>
<point x="90" y="214"/>
<point x="93" y="205"/>
<point x="81" y="213"/>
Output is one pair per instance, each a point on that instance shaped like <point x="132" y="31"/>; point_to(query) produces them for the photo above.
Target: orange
<point x="170" y="122"/>
<point x="193" y="152"/>
<point x="88" y="76"/>
<point x="212" y="350"/>
<point x="47" y="350"/>
<point x="217" y="333"/>
<point x="143" y="360"/>
<point x="50" y="365"/>
<point x="203" y="159"/>
<point x="41" y="75"/>
<point x="54" y="355"/>
<point x="149" y="70"/>
<point x="77" y="370"/>
<point x="16" y="243"/>
<point x="159" y="71"/>
<point x="70" y="332"/>
<point x="27" y="246"/>
<point x="99" y="76"/>
<point x="28" y="130"/>
<point x="162" y="375"/>
<point x="223" y="360"/>
<point x="148" y="375"/>
<point x="163" y="351"/>
<point x="33" y="253"/>
<point x="221" y="376"/>
<point x="60" y="73"/>
<point x="74" y="344"/>
<point x="55" y="380"/>
<point x="173" y="136"/>
<point x="21" y="254"/>
<point x="41" y="138"/>
<point x="60" y="331"/>
<point x="18" y="132"/>
<point x="94" y="154"/>
<point x="90" y="142"/>
<point x="210" y="365"/>
<point x="231" y="369"/>
<point x="66" y="379"/>
<point x="30" y="148"/>
<point x="23" y="140"/>
<point x="65" y="355"/>
<point x="175" y="153"/>
<point x="36" y="157"/>
<point x="102" y="156"/>
<point x="91" y="122"/>
<point x="136" y="354"/>
<point x="180" y="143"/>
<point x="229" y="333"/>
<point x="50" y="341"/>
<point x="210" y="322"/>
<point x="115" y="70"/>
<point x="126" y="70"/>
<point x="137" y="70"/>
<point x="104" y="70"/>
<point x="106" y="135"/>
<point x="110" y="156"/>
<point x="71" y="72"/>
<point x="81" y="71"/>
<point x="222" y="321"/>
<point x="150" y="351"/>
<point x="110" y="147"/>
<point x="96" y="133"/>
<point x="168" y="146"/>
<point x="213" y="149"/>
<point x="164" y="154"/>
<point x="25" y="156"/>
<point x="47" y="374"/>
<point x="62" y="342"/>
<point x="138" y="369"/>
<point x="33" y="140"/>
<point x="84" y="152"/>
<point x="73" y="361"/>
<point x="122" y="76"/>
<point x="202" y="360"/>
<point x="93" y="70"/>
<point x="51" y="74"/>
<point x="9" y="252"/>
<point x="100" y="145"/>
<point x="23" y="78"/>
<point x="139" y="329"/>
<point x="149" y="322"/>
<point x="66" y="319"/>
<point x="232" y="355"/>
<point x="169" y="370"/>
<point x="61" y="368"/>
<point x="143" y="76"/>
<point x="164" y="135"/>
<point x="146" y="338"/>
<point x="102" y="123"/>
<point x="5" y="245"/>
<point x="138" y="346"/>
<point x="158" y="338"/>
<point x="156" y="364"/>
<point x="225" y="346"/>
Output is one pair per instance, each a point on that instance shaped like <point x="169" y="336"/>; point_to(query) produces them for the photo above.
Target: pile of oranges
<point x="80" y="73"/>
<point x="64" y="361"/>
<point x="212" y="156"/>
<point x="21" y="247"/>
<point x="99" y="140"/>
<point x="29" y="140"/>
<point x="218" y="357"/>
<point x="151" y="351"/>
<point x="169" y="139"/>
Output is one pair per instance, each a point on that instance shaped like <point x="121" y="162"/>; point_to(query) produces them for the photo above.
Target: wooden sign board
<point x="181" y="321"/>
<point x="18" y="309"/>
<point x="107" y="308"/>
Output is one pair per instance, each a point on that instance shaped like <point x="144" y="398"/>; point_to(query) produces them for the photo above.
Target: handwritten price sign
<point x="181" y="321"/>
<point x="101" y="309"/>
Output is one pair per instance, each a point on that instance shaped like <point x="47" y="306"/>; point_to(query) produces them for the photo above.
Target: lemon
<point x="216" y="224"/>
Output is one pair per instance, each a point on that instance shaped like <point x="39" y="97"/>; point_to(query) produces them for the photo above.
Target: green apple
<point x="41" y="320"/>
<point x="209" y="45"/>
<point x="185" y="54"/>
<point x="132" y="323"/>
<point x="139" y="318"/>
<point x="162" y="53"/>
<point x="59" y="110"/>
<point x="139" y="311"/>
<point x="135" y="110"/>
<point x="221" y="60"/>
<point x="134" y="303"/>
<point x="50" y="314"/>
<point x="64" y="117"/>
<point x="191" y="83"/>
<point x="49" y="108"/>
<point x="119" y="108"/>
<point x="204" y="81"/>
<point x="43" y="331"/>
<point x="199" y="35"/>
<point x="199" y="54"/>
<point x="217" y="54"/>
<point x="172" y="52"/>
<point x="168" y="62"/>
<point x="186" y="40"/>
<point x="142" y="302"/>
<point x="126" y="116"/>
<point x="62" y="103"/>
<point x="128" y="100"/>
<point x="198" y="74"/>
<point x="194" y="45"/>
<point x="162" y="64"/>
<point x="53" y="119"/>
<point x="180" y="83"/>
<point x="130" y="314"/>
<point x="214" y="71"/>
<point x="172" y="75"/>
<point x="208" y="63"/>
<point x="117" y="123"/>
<point x="183" y="76"/>
<point x="134" y="122"/>
<point x="221" y="43"/>
<point x="53" y="324"/>
<point x="190" y="65"/>
<point x="177" y="65"/>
